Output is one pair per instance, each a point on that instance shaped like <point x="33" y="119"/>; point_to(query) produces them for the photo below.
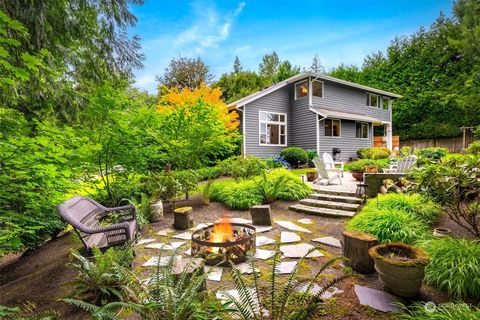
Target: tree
<point x="268" y="68"/>
<point x="237" y="65"/>
<point x="186" y="73"/>
<point x="316" y="65"/>
<point x="285" y="71"/>
<point x="238" y="85"/>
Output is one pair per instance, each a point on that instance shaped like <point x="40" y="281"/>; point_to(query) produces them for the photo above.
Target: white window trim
<point x="323" y="89"/>
<point x="368" y="130"/>
<point x="340" y="126"/>
<point x="272" y="122"/>
<point x="308" y="88"/>
<point x="378" y="99"/>
<point x="389" y="101"/>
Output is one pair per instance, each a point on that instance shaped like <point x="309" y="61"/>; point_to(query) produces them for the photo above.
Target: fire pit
<point x="224" y="242"/>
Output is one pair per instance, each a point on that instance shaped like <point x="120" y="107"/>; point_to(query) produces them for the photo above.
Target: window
<point x="373" y="100"/>
<point x="317" y="88"/>
<point x="301" y="89"/>
<point x="273" y="128"/>
<point x="361" y="130"/>
<point x="385" y="103"/>
<point x="332" y="128"/>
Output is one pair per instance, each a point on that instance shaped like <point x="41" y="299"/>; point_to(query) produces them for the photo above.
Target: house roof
<point x="329" y="114"/>
<point x="256" y="95"/>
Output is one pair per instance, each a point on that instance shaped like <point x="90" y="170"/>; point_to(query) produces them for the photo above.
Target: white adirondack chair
<point x="324" y="174"/>
<point x="403" y="165"/>
<point x="331" y="164"/>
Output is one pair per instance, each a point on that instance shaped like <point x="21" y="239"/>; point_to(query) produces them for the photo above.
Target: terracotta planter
<point x="312" y="176"/>
<point x="441" y="232"/>
<point x="400" y="267"/>
<point x="357" y="175"/>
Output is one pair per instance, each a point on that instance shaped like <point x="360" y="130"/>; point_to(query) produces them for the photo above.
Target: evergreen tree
<point x="316" y="65"/>
<point x="237" y="65"/>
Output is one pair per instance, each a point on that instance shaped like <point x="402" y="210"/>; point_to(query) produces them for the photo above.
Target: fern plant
<point x="98" y="281"/>
<point x="165" y="295"/>
<point x="27" y="312"/>
<point x="281" y="301"/>
<point x="270" y="188"/>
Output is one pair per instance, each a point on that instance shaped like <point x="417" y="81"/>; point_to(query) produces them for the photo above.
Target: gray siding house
<point x="313" y="111"/>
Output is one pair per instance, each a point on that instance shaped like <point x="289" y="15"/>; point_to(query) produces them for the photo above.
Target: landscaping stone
<point x="329" y="241"/>
<point x="260" y="229"/>
<point x="379" y="300"/>
<point x="153" y="261"/>
<point x="188" y="252"/>
<point x="183" y="218"/>
<point x="183" y="236"/>
<point x="261" y="215"/>
<point x="300" y="250"/>
<point x="200" y="226"/>
<point x="246" y="268"/>
<point x="305" y="221"/>
<point x="215" y="274"/>
<point x="263" y="254"/>
<point x="165" y="232"/>
<point x="286" y="267"/>
<point x="316" y="289"/>
<point x="262" y="241"/>
<point x="165" y="246"/>
<point x="143" y="241"/>
<point x="292" y="226"/>
<point x="237" y="220"/>
<point x="289" y="237"/>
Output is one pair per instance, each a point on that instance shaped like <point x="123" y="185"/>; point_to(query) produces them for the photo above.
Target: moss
<point x="417" y="256"/>
<point x="183" y="210"/>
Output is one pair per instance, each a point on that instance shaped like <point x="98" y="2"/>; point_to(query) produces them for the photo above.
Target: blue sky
<point x="217" y="31"/>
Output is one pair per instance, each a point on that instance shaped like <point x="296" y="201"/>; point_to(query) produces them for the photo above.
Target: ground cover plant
<point x="359" y="165"/>
<point x="373" y="153"/>
<point x="278" y="184"/>
<point x="446" y="311"/>
<point x="454" y="266"/>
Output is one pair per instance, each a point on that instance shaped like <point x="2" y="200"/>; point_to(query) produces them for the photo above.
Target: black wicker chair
<point x="85" y="214"/>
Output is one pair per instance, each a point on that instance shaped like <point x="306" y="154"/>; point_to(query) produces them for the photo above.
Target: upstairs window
<point x="317" y="88"/>
<point x="361" y="130"/>
<point x="301" y="89"/>
<point x="332" y="128"/>
<point x="272" y="128"/>
<point x="385" y="103"/>
<point x="373" y="100"/>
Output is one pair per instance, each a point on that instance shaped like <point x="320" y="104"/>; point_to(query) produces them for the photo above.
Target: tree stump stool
<point x="261" y="215"/>
<point x="183" y="218"/>
<point x="355" y="247"/>
<point x="193" y="267"/>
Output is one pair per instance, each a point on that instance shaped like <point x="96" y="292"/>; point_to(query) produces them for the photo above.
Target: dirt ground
<point x="41" y="277"/>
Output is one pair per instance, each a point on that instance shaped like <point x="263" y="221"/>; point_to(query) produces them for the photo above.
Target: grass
<point x="449" y="311"/>
<point x="454" y="266"/>
<point x="390" y="225"/>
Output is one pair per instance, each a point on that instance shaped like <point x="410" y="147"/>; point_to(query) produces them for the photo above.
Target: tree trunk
<point x="183" y="218"/>
<point x="355" y="248"/>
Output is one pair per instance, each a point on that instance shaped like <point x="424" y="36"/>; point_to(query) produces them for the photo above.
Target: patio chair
<point x="85" y="214"/>
<point x="324" y="174"/>
<point x="403" y="165"/>
<point x="331" y="164"/>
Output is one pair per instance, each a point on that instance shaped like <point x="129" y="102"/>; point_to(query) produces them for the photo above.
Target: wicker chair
<point x="84" y="214"/>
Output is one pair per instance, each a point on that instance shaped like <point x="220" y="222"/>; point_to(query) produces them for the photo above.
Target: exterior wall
<point x="346" y="142"/>
<point x="347" y="99"/>
<point x="277" y="101"/>
<point x="304" y="127"/>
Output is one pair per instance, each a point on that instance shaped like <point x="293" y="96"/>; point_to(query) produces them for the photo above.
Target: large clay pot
<point x="400" y="267"/>
<point x="357" y="175"/>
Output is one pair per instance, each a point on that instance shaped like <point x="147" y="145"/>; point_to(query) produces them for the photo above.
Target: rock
<point x="379" y="300"/>
<point x="292" y="226"/>
<point x="289" y="237"/>
<point x="300" y="250"/>
<point x="329" y="241"/>
<point x="261" y="215"/>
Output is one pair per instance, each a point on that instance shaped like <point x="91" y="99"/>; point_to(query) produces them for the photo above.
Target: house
<point x="313" y="111"/>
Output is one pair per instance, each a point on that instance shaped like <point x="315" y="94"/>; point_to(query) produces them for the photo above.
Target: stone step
<point x="322" y="211"/>
<point x="335" y="192"/>
<point x="330" y="204"/>
<point x="332" y="197"/>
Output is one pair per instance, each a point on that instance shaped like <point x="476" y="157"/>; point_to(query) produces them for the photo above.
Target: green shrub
<point x="208" y="173"/>
<point x="474" y="148"/>
<point x="373" y="153"/>
<point x="414" y="204"/>
<point x="295" y="156"/>
<point x="359" y="165"/>
<point x="454" y="266"/>
<point x="405" y="151"/>
<point x="277" y="162"/>
<point x="236" y="195"/>
<point x="97" y="281"/>
<point x="446" y="311"/>
<point x="242" y="167"/>
<point x="389" y="225"/>
<point x="427" y="155"/>
<point x="311" y="153"/>
<point x="279" y="184"/>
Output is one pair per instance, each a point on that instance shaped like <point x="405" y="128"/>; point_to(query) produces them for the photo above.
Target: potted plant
<point x="357" y="168"/>
<point x="400" y="267"/>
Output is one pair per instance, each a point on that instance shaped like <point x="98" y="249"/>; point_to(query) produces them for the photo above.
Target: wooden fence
<point x="452" y="144"/>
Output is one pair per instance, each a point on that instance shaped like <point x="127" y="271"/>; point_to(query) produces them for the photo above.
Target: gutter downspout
<point x="244" y="139"/>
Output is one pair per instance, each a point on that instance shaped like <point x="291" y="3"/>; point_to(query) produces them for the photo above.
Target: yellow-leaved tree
<point x="196" y="127"/>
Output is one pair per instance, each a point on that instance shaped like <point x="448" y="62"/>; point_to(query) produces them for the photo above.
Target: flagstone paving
<point x="289" y="237"/>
